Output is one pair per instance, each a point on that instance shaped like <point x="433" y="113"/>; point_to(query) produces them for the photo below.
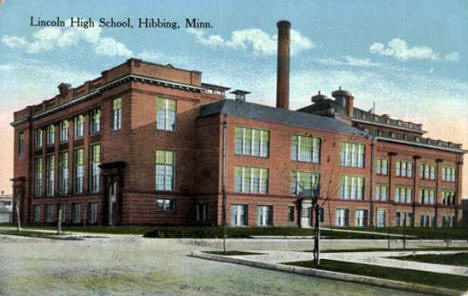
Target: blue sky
<point x="409" y="57"/>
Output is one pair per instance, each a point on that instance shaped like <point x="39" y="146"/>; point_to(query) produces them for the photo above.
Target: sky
<point x="409" y="57"/>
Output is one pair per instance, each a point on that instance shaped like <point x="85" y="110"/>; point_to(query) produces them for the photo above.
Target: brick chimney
<point x="282" y="75"/>
<point x="345" y="101"/>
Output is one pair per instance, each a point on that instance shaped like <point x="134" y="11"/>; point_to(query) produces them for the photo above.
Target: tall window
<point x="94" y="171"/>
<point x="250" y="180"/>
<point x="50" y="174"/>
<point x="381" y="167"/>
<point x="351" y="187"/>
<point x="78" y="127"/>
<point x="164" y="168"/>
<point x="63" y="173"/>
<point x="305" y="148"/>
<point x="51" y="135"/>
<point x="64" y="128"/>
<point x="92" y="213"/>
<point x="38" y="177"/>
<point x="397" y="219"/>
<point x="404" y="169"/>
<point x="381" y="192"/>
<point x="63" y="209"/>
<point x="303" y="182"/>
<point x="381" y="218"/>
<point x="202" y="212"/>
<point x="165" y="114"/>
<point x="239" y="215"/>
<point x="448" y="198"/>
<point x="264" y="215"/>
<point x="95" y="121"/>
<point x="50" y="213"/>
<point x="342" y="217"/>
<point x="252" y="142"/>
<point x="21" y="143"/>
<point x="427" y="196"/>
<point x="78" y="171"/>
<point x="76" y="213"/>
<point x="117" y="114"/>
<point x="427" y="171"/>
<point x="360" y="218"/>
<point x="403" y="195"/>
<point x="448" y="174"/>
<point x="38" y="138"/>
<point x="37" y="213"/>
<point x="352" y="155"/>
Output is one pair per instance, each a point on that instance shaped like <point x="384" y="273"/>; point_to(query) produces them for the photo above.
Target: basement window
<point x="165" y="204"/>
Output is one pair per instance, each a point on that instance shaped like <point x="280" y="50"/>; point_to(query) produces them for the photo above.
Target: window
<point x="50" y="175"/>
<point x="427" y="196"/>
<point x="64" y="131"/>
<point x="62" y="208"/>
<point x="164" y="168"/>
<point x="291" y="213"/>
<point x="250" y="180"/>
<point x="448" y="221"/>
<point x="303" y="182"/>
<point x="21" y="143"/>
<point x="264" y="215"/>
<point x="38" y="139"/>
<point x="448" y="174"/>
<point x="253" y="142"/>
<point x="404" y="169"/>
<point x="92" y="213"/>
<point x="78" y="171"/>
<point x="380" y="218"/>
<point x="448" y="198"/>
<point x="38" y="177"/>
<point x="202" y="212"/>
<point x="76" y="213"/>
<point x="117" y="114"/>
<point x="381" y="166"/>
<point x="351" y="187"/>
<point x="94" y="170"/>
<point x="403" y="195"/>
<point x="352" y="155"/>
<point x="427" y="171"/>
<point x="426" y="221"/>
<point x="305" y="148"/>
<point x="78" y="127"/>
<point x="165" y="204"/>
<point x="381" y="192"/>
<point x="37" y="213"/>
<point x="239" y="214"/>
<point x="342" y="217"/>
<point x="397" y="219"/>
<point x="50" y="135"/>
<point x="360" y="218"/>
<point x="50" y="213"/>
<point x="63" y="173"/>
<point x="165" y="114"/>
<point x="95" y="121"/>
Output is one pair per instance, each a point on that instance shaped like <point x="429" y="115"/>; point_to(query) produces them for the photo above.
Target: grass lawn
<point x="37" y="234"/>
<point x="393" y="249"/>
<point x="421" y="232"/>
<point x="460" y="259"/>
<point x="92" y="229"/>
<point x="232" y="253"/>
<point x="405" y="275"/>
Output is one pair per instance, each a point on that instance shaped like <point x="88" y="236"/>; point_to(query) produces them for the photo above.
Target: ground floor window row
<point x="51" y="213"/>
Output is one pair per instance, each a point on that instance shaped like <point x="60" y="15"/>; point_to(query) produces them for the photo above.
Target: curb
<point x="330" y="274"/>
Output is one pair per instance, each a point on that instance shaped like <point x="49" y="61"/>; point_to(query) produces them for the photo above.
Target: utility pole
<point x="224" y="218"/>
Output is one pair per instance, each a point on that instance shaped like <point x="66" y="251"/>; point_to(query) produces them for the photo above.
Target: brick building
<point x="144" y="144"/>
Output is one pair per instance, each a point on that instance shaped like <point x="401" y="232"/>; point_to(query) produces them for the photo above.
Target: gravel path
<point x="132" y="265"/>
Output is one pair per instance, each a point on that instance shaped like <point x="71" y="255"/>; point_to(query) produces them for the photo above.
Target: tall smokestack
<point x="282" y="76"/>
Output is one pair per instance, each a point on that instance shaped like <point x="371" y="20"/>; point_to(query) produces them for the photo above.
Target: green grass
<point x="246" y="232"/>
<point x="391" y="250"/>
<point x="421" y="232"/>
<point x="232" y="253"/>
<point x="459" y="259"/>
<point x="404" y="275"/>
<point x="36" y="234"/>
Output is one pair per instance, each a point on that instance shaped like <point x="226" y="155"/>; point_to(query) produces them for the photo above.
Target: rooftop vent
<point x="240" y="94"/>
<point x="319" y="98"/>
<point x="64" y="88"/>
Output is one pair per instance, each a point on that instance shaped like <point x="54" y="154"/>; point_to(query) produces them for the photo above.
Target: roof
<point x="278" y="115"/>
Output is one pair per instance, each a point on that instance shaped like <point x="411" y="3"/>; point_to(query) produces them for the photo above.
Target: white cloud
<point x="349" y="61"/>
<point x="261" y="42"/>
<point x="48" y="39"/>
<point x="399" y="49"/>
